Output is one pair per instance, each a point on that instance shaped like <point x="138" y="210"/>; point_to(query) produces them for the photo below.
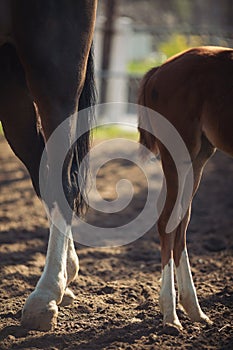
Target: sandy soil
<point x="117" y="289"/>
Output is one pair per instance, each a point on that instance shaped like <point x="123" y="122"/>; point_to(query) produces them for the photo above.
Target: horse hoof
<point x="171" y="329"/>
<point x="68" y="298"/>
<point x="204" y="319"/>
<point x="39" y="314"/>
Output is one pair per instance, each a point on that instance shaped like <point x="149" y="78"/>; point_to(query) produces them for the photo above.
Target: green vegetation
<point x="115" y="131"/>
<point x="110" y="132"/>
<point x="141" y="67"/>
<point x="166" y="49"/>
<point x="178" y="43"/>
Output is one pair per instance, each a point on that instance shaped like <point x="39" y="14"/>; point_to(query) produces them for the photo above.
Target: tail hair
<point x="146" y="138"/>
<point x="82" y="146"/>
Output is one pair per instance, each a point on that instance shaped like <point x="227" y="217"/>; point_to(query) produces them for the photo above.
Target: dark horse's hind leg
<point x="20" y="124"/>
<point x="17" y="113"/>
<point x="54" y="45"/>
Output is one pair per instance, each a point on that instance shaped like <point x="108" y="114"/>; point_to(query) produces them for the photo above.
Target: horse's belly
<point x="220" y="133"/>
<point x="5" y="22"/>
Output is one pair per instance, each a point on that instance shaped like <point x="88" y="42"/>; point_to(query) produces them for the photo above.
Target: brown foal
<point x="194" y="92"/>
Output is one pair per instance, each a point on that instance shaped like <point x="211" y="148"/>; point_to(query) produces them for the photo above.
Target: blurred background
<point x="132" y="36"/>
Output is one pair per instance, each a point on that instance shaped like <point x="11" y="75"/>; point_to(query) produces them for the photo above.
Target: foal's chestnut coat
<point x="194" y="92"/>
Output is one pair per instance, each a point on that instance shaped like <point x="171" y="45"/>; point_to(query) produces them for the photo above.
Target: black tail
<point x="81" y="147"/>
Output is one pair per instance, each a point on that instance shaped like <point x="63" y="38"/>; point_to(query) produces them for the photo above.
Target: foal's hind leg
<point x="187" y="292"/>
<point x="173" y="244"/>
<point x="167" y="299"/>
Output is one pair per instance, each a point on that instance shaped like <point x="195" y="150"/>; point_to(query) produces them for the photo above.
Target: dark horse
<point x="46" y="75"/>
<point x="194" y="92"/>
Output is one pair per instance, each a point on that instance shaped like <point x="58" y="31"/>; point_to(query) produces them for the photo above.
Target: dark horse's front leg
<point x="53" y="41"/>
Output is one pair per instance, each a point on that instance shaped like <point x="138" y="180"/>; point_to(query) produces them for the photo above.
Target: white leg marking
<point x="72" y="262"/>
<point x="187" y="292"/>
<point x="40" y="310"/>
<point x="72" y="273"/>
<point x="167" y="299"/>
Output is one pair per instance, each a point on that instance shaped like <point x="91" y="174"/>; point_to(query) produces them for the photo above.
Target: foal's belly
<point x="219" y="131"/>
<point x="5" y="22"/>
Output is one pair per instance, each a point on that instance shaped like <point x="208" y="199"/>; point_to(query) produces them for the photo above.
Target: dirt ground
<point x="117" y="289"/>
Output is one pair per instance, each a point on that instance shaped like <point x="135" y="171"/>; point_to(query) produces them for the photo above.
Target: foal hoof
<point x="204" y="319"/>
<point x="68" y="298"/>
<point x="171" y="329"/>
<point x="39" y="314"/>
<point x="199" y="316"/>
